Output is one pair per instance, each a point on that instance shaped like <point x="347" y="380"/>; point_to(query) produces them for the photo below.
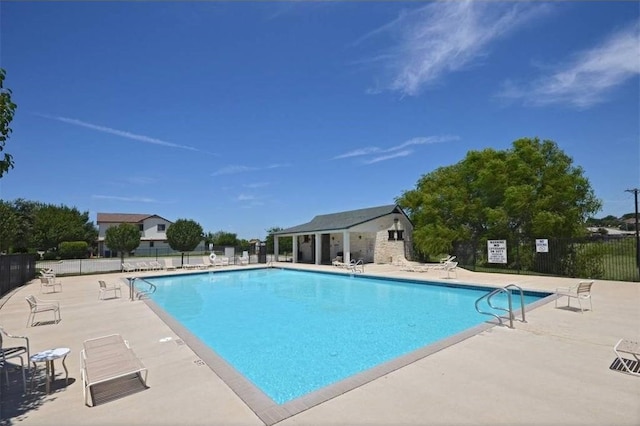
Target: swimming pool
<point x="292" y="332"/>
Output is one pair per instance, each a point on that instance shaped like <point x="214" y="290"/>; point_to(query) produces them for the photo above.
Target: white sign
<point x="497" y="251"/>
<point x="542" y="245"/>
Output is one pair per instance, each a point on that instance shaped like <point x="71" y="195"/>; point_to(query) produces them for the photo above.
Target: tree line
<point x="65" y="232"/>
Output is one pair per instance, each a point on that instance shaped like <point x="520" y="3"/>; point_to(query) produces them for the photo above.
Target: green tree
<point x="8" y="226"/>
<point x="222" y="238"/>
<point x="184" y="235"/>
<point x="55" y="224"/>
<point x="7" y="109"/>
<point x="122" y="238"/>
<point x="73" y="249"/>
<point x="526" y="192"/>
<point x="285" y="245"/>
<point x="25" y="211"/>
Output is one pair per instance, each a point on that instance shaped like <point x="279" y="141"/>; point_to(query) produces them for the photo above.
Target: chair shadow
<point x="633" y="365"/>
<point x="39" y="323"/>
<point x="573" y="308"/>
<point x="15" y="403"/>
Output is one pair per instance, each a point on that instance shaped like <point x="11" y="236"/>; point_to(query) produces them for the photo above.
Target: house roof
<point x="342" y="220"/>
<point x="125" y="217"/>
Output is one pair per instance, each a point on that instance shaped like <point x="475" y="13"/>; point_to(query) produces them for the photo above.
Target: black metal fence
<point x="599" y="257"/>
<point x="16" y="270"/>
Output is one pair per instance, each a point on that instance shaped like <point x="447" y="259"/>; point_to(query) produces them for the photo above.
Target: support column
<point x="275" y="248"/>
<point x="346" y="246"/>
<point x="295" y="249"/>
<point x="318" y="248"/>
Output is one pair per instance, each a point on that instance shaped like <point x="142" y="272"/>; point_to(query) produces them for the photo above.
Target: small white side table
<point x="48" y="357"/>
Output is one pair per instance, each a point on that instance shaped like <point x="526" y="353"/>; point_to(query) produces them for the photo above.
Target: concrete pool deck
<point x="553" y="369"/>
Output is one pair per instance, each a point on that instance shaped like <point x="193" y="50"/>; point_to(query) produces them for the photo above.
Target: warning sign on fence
<point x="542" y="245"/>
<point x="497" y="251"/>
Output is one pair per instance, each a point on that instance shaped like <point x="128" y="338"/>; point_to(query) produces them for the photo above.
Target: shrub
<point x="50" y="255"/>
<point x="73" y="250"/>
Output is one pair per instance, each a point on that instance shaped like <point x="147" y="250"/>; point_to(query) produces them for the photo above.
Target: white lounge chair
<point x="244" y="259"/>
<point x="338" y="263"/>
<point x="207" y="262"/>
<point x="128" y="267"/>
<point x="47" y="273"/>
<point x="580" y="291"/>
<point x="106" y="359"/>
<point x="49" y="283"/>
<point x="357" y="266"/>
<point x="143" y="266"/>
<point x="447" y="268"/>
<point x="104" y="288"/>
<point x="221" y="261"/>
<point x="168" y="264"/>
<point x="155" y="265"/>
<point x="631" y="348"/>
<point x="13" y="352"/>
<point x="37" y="306"/>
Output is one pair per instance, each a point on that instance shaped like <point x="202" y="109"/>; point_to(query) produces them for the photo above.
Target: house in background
<point x="153" y="232"/>
<point x="376" y="234"/>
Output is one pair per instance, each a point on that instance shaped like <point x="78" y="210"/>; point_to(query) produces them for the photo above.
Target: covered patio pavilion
<point x="375" y="235"/>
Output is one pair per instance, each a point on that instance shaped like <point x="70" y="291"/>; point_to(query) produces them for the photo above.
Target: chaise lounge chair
<point x="168" y="264"/>
<point x="447" y="268"/>
<point x="357" y="266"/>
<point x="626" y="365"/>
<point x="108" y="359"/>
<point x="580" y="291"/>
<point x="143" y="266"/>
<point x="128" y="267"/>
<point x="155" y="265"/>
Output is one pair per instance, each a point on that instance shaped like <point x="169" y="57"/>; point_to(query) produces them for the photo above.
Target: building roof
<point x="342" y="220"/>
<point x="125" y="217"/>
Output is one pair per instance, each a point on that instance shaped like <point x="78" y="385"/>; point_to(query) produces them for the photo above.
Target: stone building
<point x="375" y="235"/>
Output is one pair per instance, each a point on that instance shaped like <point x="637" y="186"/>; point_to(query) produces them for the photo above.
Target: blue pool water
<point x="293" y="332"/>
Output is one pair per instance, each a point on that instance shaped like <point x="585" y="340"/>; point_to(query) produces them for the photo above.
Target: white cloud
<point x="369" y="151"/>
<point x="588" y="77"/>
<point x="389" y="157"/>
<point x="244" y="197"/>
<point x="422" y="141"/>
<point x="445" y="37"/>
<point x="233" y="169"/>
<point x="131" y="199"/>
<point x="256" y="185"/>
<point x="358" y="152"/>
<point x="277" y="166"/>
<point x="121" y="133"/>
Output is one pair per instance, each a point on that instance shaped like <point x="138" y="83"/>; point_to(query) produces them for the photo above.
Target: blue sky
<point x="248" y="115"/>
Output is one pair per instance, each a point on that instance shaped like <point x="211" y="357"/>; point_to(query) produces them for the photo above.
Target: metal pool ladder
<point x="141" y="293"/>
<point x="506" y="290"/>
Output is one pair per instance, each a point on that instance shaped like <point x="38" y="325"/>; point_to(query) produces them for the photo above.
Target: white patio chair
<point x="580" y="292"/>
<point x="37" y="306"/>
<point x="104" y="288"/>
<point x="12" y="352"/>
<point x="49" y="283"/>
